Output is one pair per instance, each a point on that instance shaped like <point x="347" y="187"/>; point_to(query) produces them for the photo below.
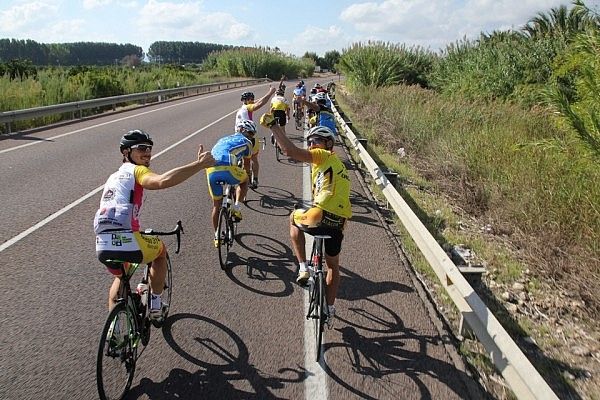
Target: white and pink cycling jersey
<point x="121" y="200"/>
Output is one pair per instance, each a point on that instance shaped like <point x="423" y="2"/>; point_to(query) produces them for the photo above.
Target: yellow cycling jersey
<point x="279" y="103"/>
<point x="331" y="183"/>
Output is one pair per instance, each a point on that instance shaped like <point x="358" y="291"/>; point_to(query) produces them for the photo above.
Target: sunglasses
<point x="142" y="147"/>
<point x="312" y="141"/>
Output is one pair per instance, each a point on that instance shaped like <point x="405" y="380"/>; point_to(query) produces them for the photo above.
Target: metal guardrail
<point x="519" y="373"/>
<point x="9" y="117"/>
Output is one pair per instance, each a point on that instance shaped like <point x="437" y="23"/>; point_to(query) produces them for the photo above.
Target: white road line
<point x="60" y="212"/>
<point x="315" y="384"/>
<point x="111" y="121"/>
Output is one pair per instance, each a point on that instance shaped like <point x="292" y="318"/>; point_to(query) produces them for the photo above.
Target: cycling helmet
<point x="136" y="136"/>
<point x="321" y="131"/>
<point x="317" y="86"/>
<point x="280" y="91"/>
<point x="299" y="85"/>
<point x="246" y="126"/>
<point x="247" y="96"/>
<point x="320" y="97"/>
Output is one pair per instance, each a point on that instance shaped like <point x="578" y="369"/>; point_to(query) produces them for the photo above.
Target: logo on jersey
<point x="119" y="240"/>
<point x="108" y="195"/>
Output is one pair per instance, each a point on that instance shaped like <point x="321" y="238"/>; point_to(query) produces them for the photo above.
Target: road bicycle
<point x="298" y="114"/>
<point x="128" y="325"/>
<point x="278" y="151"/>
<point x="318" y="310"/>
<point x="227" y="226"/>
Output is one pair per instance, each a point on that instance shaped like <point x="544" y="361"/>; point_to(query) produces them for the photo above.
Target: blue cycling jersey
<point x="229" y="150"/>
<point x="326" y="118"/>
<point x="300" y="91"/>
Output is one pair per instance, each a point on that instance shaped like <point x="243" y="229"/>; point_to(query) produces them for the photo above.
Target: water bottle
<point x="142" y="290"/>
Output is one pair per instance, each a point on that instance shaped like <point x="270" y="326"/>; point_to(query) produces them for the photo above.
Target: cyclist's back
<point x="229" y="150"/>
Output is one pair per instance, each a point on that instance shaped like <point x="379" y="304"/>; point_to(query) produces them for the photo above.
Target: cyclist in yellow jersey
<point x="280" y="108"/>
<point x="117" y="224"/>
<point x="330" y="201"/>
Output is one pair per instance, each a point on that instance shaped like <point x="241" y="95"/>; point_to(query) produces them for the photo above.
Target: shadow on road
<point x="223" y="360"/>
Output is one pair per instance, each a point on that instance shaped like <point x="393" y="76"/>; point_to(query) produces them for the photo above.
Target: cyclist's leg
<point x="298" y="242"/>
<point x="116" y="246"/>
<point x="255" y="168"/>
<point x="333" y="247"/>
<point x="241" y="179"/>
<point x="213" y="176"/>
<point x="154" y="251"/>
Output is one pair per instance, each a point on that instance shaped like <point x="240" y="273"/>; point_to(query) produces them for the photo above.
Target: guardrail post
<point x="392" y="177"/>
<point x="7" y="127"/>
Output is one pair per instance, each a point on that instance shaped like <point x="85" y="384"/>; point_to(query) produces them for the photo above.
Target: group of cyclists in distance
<point x="233" y="159"/>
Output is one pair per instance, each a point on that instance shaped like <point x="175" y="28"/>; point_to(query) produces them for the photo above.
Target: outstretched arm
<point x="288" y="147"/>
<point x="177" y="175"/>
<point x="263" y="100"/>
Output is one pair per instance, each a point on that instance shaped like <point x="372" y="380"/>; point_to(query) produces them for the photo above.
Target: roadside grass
<point x="489" y="180"/>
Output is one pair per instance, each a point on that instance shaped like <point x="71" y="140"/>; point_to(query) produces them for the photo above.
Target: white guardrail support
<point x="520" y="375"/>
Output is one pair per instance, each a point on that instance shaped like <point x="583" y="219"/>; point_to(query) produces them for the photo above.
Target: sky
<point x="316" y="27"/>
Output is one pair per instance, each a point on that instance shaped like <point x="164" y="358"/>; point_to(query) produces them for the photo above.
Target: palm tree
<point x="561" y="22"/>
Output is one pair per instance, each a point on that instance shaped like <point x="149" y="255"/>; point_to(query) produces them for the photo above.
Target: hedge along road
<point x="234" y="334"/>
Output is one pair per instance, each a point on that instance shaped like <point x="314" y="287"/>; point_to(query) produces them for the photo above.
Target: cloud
<point x="424" y="22"/>
<point x="315" y="39"/>
<point x="91" y="4"/>
<point x="22" y="16"/>
<point x="189" y="22"/>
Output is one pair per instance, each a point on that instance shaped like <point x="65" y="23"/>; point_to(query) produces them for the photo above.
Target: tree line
<point x="79" y="53"/>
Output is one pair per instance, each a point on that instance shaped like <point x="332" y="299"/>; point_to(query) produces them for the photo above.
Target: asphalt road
<point x="238" y="334"/>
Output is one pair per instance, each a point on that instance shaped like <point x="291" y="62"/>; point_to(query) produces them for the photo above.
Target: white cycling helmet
<point x="246" y="126"/>
<point x="321" y="131"/>
<point x="320" y="96"/>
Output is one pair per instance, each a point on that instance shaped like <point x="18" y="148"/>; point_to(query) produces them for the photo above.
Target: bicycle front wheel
<point x="224" y="229"/>
<point x="117" y="353"/>
<point x="166" y="295"/>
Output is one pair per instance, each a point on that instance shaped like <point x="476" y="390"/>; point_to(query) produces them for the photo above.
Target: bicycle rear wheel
<point x="117" y="353"/>
<point x="225" y="235"/>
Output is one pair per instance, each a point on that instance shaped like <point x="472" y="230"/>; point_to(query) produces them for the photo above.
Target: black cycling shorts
<point x="280" y="117"/>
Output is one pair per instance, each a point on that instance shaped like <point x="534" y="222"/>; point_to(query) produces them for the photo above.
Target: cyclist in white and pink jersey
<point x="117" y="224"/>
<point x="245" y="114"/>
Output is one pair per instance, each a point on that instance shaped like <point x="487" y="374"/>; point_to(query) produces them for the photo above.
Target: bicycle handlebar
<point x="177" y="231"/>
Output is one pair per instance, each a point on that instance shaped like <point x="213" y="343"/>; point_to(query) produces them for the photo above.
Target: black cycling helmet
<point x="280" y="91"/>
<point x="136" y="136"/>
<point x="247" y="96"/>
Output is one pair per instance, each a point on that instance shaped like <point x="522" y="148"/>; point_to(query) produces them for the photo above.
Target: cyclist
<point x="243" y="114"/>
<point x="299" y="94"/>
<point x="330" y="202"/>
<point x="280" y="108"/>
<point x="117" y="224"/>
<point x="249" y="105"/>
<point x="228" y="152"/>
<point x="323" y="113"/>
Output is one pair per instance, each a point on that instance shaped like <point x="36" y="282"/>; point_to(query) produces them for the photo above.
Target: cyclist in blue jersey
<point x="299" y="95"/>
<point x="228" y="152"/>
<point x="324" y="115"/>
